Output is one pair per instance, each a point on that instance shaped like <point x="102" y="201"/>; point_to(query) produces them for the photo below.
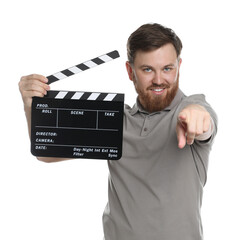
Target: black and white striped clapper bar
<point x="78" y="124"/>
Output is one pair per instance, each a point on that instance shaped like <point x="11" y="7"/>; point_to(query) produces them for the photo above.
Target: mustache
<point x="163" y="85"/>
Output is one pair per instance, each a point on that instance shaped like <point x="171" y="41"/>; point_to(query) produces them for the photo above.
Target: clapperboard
<point x="78" y="124"/>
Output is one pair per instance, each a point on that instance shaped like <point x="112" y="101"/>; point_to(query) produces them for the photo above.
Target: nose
<point x="157" y="78"/>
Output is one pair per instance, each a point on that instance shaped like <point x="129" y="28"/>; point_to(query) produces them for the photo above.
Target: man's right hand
<point x="31" y="86"/>
<point x="34" y="85"/>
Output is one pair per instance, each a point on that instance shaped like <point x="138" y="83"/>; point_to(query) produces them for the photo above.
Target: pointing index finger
<point x="182" y="117"/>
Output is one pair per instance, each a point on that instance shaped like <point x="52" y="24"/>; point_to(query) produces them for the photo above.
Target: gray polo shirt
<point x="155" y="189"/>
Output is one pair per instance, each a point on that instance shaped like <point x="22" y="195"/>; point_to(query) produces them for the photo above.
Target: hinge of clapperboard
<point x="83" y="66"/>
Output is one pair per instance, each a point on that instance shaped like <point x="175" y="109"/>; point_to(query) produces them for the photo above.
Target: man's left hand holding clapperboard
<point x="68" y="124"/>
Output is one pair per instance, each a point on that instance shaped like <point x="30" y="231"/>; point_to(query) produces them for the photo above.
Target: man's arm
<point x="30" y="86"/>
<point x="194" y="122"/>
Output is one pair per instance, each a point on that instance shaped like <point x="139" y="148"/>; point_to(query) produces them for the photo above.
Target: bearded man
<point x="156" y="188"/>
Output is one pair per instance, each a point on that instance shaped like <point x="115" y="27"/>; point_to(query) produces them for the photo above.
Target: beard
<point x="155" y="103"/>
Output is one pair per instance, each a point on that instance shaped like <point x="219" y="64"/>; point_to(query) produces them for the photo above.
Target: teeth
<point x="158" y="90"/>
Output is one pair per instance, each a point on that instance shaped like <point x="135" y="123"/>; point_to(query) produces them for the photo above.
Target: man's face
<point x="155" y="75"/>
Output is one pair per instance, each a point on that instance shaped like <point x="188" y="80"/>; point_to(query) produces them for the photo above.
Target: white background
<point x="66" y="200"/>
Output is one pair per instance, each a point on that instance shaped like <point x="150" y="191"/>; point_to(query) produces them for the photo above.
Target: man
<point x="155" y="189"/>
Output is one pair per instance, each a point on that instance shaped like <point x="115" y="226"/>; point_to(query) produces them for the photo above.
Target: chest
<point x="149" y="132"/>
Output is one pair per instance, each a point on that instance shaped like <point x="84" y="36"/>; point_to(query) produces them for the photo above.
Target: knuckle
<point x="191" y="130"/>
<point x="37" y="94"/>
<point x="33" y="75"/>
<point x="20" y="85"/>
<point x="21" y="82"/>
<point x="193" y="111"/>
<point x="32" y="86"/>
<point x="206" y="128"/>
<point x="199" y="132"/>
<point x="34" y="93"/>
<point x="207" y="115"/>
<point x="22" y="78"/>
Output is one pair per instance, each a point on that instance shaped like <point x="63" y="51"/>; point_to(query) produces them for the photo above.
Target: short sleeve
<point x="201" y="149"/>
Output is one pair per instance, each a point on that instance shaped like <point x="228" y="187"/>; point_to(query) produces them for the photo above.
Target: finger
<point x="199" y="127"/>
<point x="182" y="117"/>
<point x="27" y="97"/>
<point x="32" y="88"/>
<point x="190" y="138"/>
<point x="37" y="86"/>
<point x="181" y="135"/>
<point x="34" y="85"/>
<point x="30" y="94"/>
<point x="35" y="77"/>
<point x="191" y="130"/>
<point x="206" y="123"/>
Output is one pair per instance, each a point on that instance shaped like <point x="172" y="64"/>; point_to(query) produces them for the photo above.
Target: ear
<point x="129" y="70"/>
<point x="179" y="62"/>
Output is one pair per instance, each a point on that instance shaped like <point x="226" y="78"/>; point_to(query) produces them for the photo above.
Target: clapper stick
<point x="83" y="66"/>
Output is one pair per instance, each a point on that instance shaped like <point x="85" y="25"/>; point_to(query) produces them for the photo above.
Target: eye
<point x="167" y="69"/>
<point x="147" y="69"/>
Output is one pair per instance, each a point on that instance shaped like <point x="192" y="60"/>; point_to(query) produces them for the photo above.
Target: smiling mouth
<point x="157" y="91"/>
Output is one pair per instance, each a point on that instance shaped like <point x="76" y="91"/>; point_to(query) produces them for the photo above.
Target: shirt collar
<point x="177" y="99"/>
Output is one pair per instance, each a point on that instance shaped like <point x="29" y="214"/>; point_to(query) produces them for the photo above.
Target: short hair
<point x="150" y="37"/>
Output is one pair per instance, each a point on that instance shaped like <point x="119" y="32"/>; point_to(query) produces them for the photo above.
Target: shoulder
<point x="130" y="110"/>
<point x="194" y="99"/>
